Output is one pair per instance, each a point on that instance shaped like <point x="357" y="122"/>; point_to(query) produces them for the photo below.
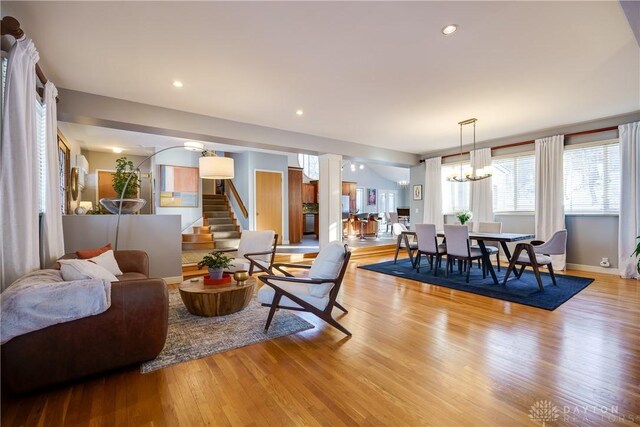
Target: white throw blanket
<point x="41" y="299"/>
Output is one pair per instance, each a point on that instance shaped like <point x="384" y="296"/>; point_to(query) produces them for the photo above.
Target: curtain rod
<point x="10" y="26"/>
<point x="517" y="144"/>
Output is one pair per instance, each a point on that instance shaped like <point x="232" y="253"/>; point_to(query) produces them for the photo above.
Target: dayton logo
<point x="543" y="411"/>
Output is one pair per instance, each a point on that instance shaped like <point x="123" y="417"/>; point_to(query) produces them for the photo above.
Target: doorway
<point x="268" y="201"/>
<point x="387" y="202"/>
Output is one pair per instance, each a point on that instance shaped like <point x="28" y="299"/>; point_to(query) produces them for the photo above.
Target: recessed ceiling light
<point x="177" y="83"/>
<point x="117" y="150"/>
<point x="449" y="29"/>
<point x="299" y="112"/>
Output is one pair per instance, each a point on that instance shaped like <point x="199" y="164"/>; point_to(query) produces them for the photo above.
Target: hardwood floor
<point x="419" y="355"/>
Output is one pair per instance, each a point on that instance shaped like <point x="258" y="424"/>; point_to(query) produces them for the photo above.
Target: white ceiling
<point x="377" y="73"/>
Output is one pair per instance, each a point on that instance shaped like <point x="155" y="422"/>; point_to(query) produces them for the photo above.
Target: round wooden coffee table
<point x="216" y="300"/>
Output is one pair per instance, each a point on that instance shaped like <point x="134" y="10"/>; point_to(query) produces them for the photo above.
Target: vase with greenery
<point x="124" y="168"/>
<point x="464" y="216"/>
<point x="636" y="253"/>
<point x="217" y="262"/>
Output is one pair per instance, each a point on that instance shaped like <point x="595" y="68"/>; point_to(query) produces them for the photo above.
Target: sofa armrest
<point x="132" y="330"/>
<point x="133" y="261"/>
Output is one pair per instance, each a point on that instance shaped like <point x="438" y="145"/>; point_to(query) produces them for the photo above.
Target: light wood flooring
<point x="419" y="355"/>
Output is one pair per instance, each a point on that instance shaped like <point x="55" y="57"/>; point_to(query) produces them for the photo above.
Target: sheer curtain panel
<point x="629" y="220"/>
<point x="19" y="166"/>
<point x="52" y="238"/>
<point x="432" y="193"/>
<point x="481" y="200"/>
<point x="549" y="213"/>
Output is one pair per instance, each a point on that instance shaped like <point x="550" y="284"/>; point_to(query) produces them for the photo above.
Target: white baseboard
<point x="592" y="268"/>
<point x="173" y="280"/>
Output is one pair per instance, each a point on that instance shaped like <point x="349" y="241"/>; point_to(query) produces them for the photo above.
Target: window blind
<point x="592" y="178"/>
<point x="514" y="183"/>
<point x="455" y="195"/>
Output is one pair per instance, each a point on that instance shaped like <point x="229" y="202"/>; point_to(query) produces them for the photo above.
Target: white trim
<point x="578" y="146"/>
<point x="255" y="206"/>
<point x="592" y="268"/>
<point x="173" y="280"/>
<point x="514" y="155"/>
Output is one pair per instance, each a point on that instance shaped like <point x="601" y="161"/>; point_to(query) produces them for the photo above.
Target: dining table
<point x="481" y="238"/>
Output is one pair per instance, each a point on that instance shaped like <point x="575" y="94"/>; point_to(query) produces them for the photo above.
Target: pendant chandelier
<point x="469" y="173"/>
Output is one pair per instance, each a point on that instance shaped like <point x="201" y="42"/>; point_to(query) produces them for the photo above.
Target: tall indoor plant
<point x="124" y="168"/>
<point x="636" y="253"/>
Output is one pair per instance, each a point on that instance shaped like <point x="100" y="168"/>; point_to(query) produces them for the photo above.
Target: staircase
<point x="219" y="228"/>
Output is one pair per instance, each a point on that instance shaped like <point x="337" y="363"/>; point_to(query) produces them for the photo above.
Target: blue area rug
<point x="522" y="291"/>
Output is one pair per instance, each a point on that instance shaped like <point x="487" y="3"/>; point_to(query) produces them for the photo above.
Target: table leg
<point x="487" y="261"/>
<point x="505" y="248"/>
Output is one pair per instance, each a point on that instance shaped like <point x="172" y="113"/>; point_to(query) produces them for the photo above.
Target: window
<point x="513" y="183"/>
<point x="309" y="165"/>
<point x="455" y="195"/>
<point x="592" y="178"/>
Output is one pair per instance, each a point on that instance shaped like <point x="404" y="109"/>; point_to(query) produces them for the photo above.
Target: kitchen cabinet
<point x="349" y="189"/>
<point x="310" y="192"/>
<point x="296" y="226"/>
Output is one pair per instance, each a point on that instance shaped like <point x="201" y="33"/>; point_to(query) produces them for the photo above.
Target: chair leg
<point x="512" y="265"/>
<point x="337" y="304"/>
<point x="431" y="262"/>
<point x="534" y="264"/>
<point x="519" y="273"/>
<point x="470" y="265"/>
<point x="274" y="307"/>
<point x="418" y="259"/>
<point x="446" y="267"/>
<point x="330" y="320"/>
<point x="552" y="274"/>
<point x="498" y="260"/>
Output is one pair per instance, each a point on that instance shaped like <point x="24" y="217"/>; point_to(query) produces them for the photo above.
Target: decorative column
<point x="329" y="199"/>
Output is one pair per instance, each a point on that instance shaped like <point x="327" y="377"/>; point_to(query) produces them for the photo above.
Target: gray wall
<point x="107" y="161"/>
<point x="368" y="178"/>
<point x="245" y="166"/>
<point x="136" y="232"/>
<point x="177" y="157"/>
<point x="416" y="177"/>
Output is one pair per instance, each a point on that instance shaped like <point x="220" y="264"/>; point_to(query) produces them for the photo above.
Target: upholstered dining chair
<point x="428" y="245"/>
<point x="257" y="249"/>
<point x="404" y="243"/>
<point x="458" y="247"/>
<point x="392" y="218"/>
<point x="315" y="293"/>
<point x="537" y="254"/>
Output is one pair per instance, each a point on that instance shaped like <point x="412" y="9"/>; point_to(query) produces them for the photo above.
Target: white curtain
<point x="52" y="238"/>
<point x="549" y="216"/>
<point x="19" y="184"/>
<point x="432" y="194"/>
<point x="629" y="220"/>
<point x="481" y="202"/>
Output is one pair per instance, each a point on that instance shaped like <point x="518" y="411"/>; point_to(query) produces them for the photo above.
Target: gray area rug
<point x="193" y="337"/>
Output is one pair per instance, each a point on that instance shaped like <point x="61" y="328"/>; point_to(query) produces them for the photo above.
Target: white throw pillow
<point x="80" y="269"/>
<point x="108" y="261"/>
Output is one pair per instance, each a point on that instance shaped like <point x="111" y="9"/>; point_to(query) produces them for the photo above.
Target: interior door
<point x="105" y="185"/>
<point x="268" y="191"/>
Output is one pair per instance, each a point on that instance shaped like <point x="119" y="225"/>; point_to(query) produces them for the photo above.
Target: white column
<point x="329" y="199"/>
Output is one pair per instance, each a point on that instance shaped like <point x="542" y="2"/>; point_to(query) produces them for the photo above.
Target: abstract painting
<point x="179" y="186"/>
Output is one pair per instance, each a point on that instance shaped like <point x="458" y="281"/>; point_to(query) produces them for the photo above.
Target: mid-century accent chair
<point x="537" y="253"/>
<point x="428" y="245"/>
<point x="256" y="249"/>
<point x="316" y="293"/>
<point x="492" y="247"/>
<point x="458" y="247"/>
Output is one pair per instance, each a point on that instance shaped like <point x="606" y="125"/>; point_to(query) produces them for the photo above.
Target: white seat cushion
<point x="301" y="290"/>
<point x="252" y="241"/>
<point x="475" y="252"/>
<point x="326" y="266"/>
<point x="490" y="249"/>
<point x="540" y="259"/>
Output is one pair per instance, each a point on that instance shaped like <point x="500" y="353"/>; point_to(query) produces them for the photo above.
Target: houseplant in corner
<point x="636" y="253"/>
<point x="130" y="204"/>
<point x="217" y="263"/>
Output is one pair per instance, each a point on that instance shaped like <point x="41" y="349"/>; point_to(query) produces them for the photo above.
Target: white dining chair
<point x="493" y="247"/>
<point x="429" y="246"/>
<point x="458" y="247"/>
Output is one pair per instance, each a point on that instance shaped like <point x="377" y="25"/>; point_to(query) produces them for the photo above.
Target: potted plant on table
<point x="217" y="263"/>
<point x="464" y="216"/>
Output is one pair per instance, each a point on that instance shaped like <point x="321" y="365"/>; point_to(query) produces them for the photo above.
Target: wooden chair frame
<point x="305" y="306"/>
<point x="254" y="262"/>
<point x="529" y="249"/>
<point x="438" y="258"/>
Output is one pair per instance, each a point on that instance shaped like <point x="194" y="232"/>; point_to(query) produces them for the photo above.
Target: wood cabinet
<point x="349" y="189"/>
<point x="296" y="226"/>
<point x="310" y="192"/>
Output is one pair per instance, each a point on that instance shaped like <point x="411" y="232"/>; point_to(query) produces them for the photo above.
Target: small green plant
<point x="124" y="168"/>
<point x="464" y="216"/>
<point x="636" y="253"/>
<point x="216" y="260"/>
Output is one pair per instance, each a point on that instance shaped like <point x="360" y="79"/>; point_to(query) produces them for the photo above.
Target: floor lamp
<point x="209" y="165"/>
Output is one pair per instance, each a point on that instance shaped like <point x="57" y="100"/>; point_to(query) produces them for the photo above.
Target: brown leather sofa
<point x="132" y="330"/>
